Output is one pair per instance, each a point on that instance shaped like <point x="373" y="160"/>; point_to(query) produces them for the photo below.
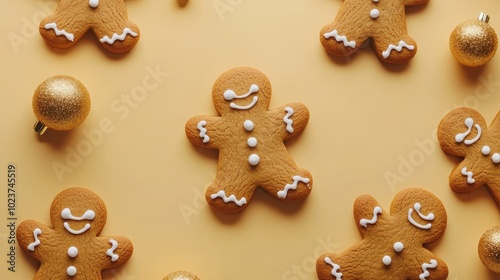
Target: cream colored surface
<point x="367" y="120"/>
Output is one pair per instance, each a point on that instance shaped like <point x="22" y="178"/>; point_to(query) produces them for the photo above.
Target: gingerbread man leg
<point x="118" y="35"/>
<point x="61" y="30"/>
<point x="339" y="40"/>
<point x="228" y="195"/>
<point x="395" y="46"/>
<point x="285" y="181"/>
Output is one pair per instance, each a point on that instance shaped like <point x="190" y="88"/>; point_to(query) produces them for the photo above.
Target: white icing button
<point x="73" y="251"/>
<point x="376" y="1"/>
<point x="398" y="247"/>
<point x="71" y="271"/>
<point x="93" y="3"/>
<point x="495" y="158"/>
<point x="387" y="260"/>
<point x="374" y="13"/>
<point x="253" y="159"/>
<point x="486" y="150"/>
<point x="248" y="124"/>
<point x="252" y="142"/>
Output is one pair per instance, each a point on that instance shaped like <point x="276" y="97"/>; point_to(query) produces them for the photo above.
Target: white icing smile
<point x="230" y="95"/>
<point x="80" y="231"/>
<point x="66" y="214"/>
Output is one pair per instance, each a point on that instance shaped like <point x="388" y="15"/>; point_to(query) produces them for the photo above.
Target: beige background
<point x="367" y="120"/>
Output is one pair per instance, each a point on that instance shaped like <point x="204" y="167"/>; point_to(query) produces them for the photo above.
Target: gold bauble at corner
<point x="489" y="249"/>
<point x="474" y="42"/>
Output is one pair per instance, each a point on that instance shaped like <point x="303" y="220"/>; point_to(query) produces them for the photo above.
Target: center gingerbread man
<point x="107" y="18"/>
<point x="250" y="140"/>
<point x="71" y="248"/>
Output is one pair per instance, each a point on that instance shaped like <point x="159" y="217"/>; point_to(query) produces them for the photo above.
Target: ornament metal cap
<point x="61" y="103"/>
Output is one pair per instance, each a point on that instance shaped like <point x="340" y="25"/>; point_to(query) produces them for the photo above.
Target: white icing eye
<point x="229" y="95"/>
<point x="66" y="213"/>
<point x="254" y="88"/>
<point x="89" y="215"/>
<point x="486" y="150"/>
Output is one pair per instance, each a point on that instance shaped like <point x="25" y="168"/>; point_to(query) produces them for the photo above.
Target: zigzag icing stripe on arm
<point x="231" y="198"/>
<point x="469" y="175"/>
<point x="203" y="131"/>
<point x="111" y="251"/>
<point x="120" y="37"/>
<point x="293" y="186"/>
<point x="402" y="44"/>
<point x="287" y="120"/>
<point x="340" y="38"/>
<point x="364" y="222"/>
<point x="58" y="32"/>
<point x="36" y="233"/>
<point x="433" y="264"/>
<point x="335" y="268"/>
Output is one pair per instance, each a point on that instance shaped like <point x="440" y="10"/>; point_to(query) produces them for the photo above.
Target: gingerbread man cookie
<point x="71" y="248"/>
<point x="392" y="242"/>
<point x="107" y="18"/>
<point x="250" y="140"/>
<point x="463" y="133"/>
<point x="384" y="21"/>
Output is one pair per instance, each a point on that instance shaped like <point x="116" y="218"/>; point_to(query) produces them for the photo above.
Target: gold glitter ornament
<point x="181" y="275"/>
<point x="474" y="42"/>
<point x="489" y="249"/>
<point x="61" y="103"/>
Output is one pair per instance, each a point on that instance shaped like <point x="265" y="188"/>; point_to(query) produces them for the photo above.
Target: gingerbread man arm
<point x="291" y="119"/>
<point x="36" y="239"/>
<point x="367" y="212"/>
<point x="203" y="131"/>
<point x="430" y="266"/>
<point x="116" y="250"/>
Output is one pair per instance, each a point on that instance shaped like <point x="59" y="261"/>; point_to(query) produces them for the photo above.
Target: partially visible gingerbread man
<point x="384" y="21"/>
<point x="107" y="18"/>
<point x="250" y="140"/>
<point x="392" y="242"/>
<point x="463" y="133"/>
<point x="71" y="249"/>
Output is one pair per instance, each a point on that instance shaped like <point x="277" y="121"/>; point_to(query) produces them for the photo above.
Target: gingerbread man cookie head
<point x="381" y="21"/>
<point x="108" y="20"/>
<point x="463" y="133"/>
<point x="392" y="245"/>
<point x="425" y="214"/>
<point x="241" y="90"/>
<point x="78" y="211"/>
